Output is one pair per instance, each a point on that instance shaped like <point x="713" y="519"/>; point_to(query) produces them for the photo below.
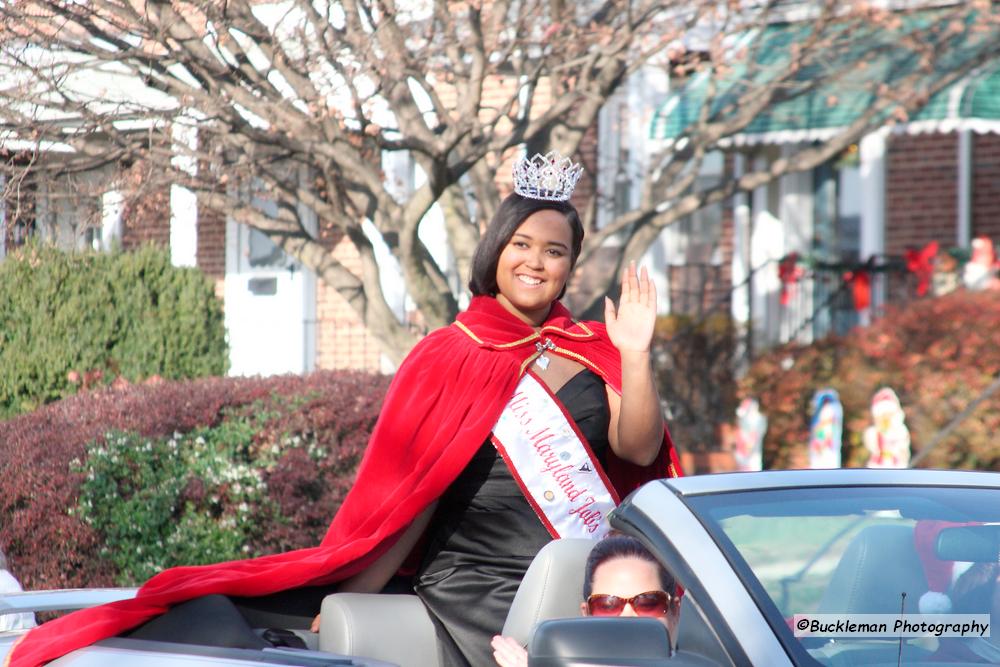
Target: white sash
<point x="552" y="463"/>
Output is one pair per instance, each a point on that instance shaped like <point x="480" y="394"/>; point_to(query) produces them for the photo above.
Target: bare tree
<point x="297" y="101"/>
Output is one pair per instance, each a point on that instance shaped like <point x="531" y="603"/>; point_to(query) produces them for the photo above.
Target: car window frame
<point x="744" y="572"/>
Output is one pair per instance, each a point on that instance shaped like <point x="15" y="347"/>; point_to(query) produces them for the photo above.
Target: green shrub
<point x="71" y="320"/>
<point x="302" y="436"/>
<point x="187" y="499"/>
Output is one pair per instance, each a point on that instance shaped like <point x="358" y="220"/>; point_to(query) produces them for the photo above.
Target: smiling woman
<point x="534" y="266"/>
<point x="519" y="222"/>
<point x="499" y="511"/>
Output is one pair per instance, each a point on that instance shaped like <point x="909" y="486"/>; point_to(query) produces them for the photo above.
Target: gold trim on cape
<point x="501" y="346"/>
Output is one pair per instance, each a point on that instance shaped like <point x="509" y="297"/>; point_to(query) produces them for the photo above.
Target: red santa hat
<point x="983" y="251"/>
<point x="938" y="572"/>
<point x="885" y="400"/>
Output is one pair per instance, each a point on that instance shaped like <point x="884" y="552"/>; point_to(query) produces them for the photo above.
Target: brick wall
<point x="212" y="243"/>
<point x="726" y="236"/>
<point x="986" y="186"/>
<point x="603" y="261"/>
<point x="146" y="219"/>
<point x="921" y="191"/>
<point x="587" y="186"/>
<point x="341" y="339"/>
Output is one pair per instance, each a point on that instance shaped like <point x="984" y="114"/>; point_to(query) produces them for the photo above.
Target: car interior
<point x="386" y="628"/>
<point x="879" y="565"/>
<point x="397" y="628"/>
<point x="861" y="582"/>
<point x="356" y="624"/>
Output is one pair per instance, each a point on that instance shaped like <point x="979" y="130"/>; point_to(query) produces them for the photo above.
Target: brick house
<point x="279" y="317"/>
<point x="896" y="189"/>
<point x="932" y="178"/>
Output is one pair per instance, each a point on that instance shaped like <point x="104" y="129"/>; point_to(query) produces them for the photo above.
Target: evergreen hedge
<point x="72" y="320"/>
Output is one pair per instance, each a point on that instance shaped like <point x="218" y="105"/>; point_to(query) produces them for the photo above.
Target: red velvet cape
<point x="440" y="408"/>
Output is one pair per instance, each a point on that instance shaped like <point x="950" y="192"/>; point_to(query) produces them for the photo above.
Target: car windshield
<point x="847" y="553"/>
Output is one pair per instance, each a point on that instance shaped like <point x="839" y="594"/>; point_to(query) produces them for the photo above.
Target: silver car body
<point x="726" y="623"/>
<point x="665" y="514"/>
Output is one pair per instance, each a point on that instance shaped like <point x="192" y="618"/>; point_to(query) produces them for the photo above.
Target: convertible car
<point x="754" y="552"/>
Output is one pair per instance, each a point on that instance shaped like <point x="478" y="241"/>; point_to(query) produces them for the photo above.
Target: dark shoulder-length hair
<point x="617" y="546"/>
<point x="514" y="210"/>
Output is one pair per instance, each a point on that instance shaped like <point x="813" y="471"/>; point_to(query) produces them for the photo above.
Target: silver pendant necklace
<point x="543" y="360"/>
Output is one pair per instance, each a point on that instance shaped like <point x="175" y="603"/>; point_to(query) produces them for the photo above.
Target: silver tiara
<point x="550" y="177"/>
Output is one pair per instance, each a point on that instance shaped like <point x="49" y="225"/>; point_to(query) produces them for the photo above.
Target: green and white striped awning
<point x="972" y="103"/>
<point x="810" y="111"/>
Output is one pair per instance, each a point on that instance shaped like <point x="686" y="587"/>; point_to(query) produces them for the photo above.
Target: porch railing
<point x="820" y="302"/>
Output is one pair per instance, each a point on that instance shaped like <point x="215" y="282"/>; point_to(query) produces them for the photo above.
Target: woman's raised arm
<point x="636" y="429"/>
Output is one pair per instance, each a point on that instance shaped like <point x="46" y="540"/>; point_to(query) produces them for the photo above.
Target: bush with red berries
<point x="264" y="460"/>
<point x="939" y="355"/>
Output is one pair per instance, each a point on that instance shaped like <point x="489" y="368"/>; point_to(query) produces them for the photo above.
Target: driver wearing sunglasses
<point x="622" y="578"/>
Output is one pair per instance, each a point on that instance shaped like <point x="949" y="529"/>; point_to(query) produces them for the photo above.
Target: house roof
<point x="830" y="91"/>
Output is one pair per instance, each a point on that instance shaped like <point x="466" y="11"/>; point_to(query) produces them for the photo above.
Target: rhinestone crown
<point x="550" y="177"/>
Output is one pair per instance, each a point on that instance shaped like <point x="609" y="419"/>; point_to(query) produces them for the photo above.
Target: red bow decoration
<point x="919" y="262"/>
<point x="789" y="272"/>
<point x="861" y="288"/>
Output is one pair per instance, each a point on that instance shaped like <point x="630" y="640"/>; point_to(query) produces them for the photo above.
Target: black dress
<point x="484" y="535"/>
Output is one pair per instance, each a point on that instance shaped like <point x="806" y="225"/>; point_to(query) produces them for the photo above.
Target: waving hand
<point x="630" y="325"/>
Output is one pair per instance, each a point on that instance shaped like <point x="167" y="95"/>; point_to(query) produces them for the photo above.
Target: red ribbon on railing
<point x="789" y="272"/>
<point x="920" y="263"/>
<point x="861" y="288"/>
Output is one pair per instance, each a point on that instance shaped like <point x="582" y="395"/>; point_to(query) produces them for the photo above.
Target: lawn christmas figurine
<point x="946" y="276"/>
<point x="826" y="430"/>
<point x="751" y="425"/>
<point x="888" y="439"/>
<point x="981" y="270"/>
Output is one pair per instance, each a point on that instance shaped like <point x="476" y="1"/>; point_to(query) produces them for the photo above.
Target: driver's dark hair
<point x="514" y="210"/>
<point x="622" y="546"/>
<point x="972" y="592"/>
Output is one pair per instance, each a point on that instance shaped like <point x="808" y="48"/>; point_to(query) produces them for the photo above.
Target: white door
<point x="270" y="306"/>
